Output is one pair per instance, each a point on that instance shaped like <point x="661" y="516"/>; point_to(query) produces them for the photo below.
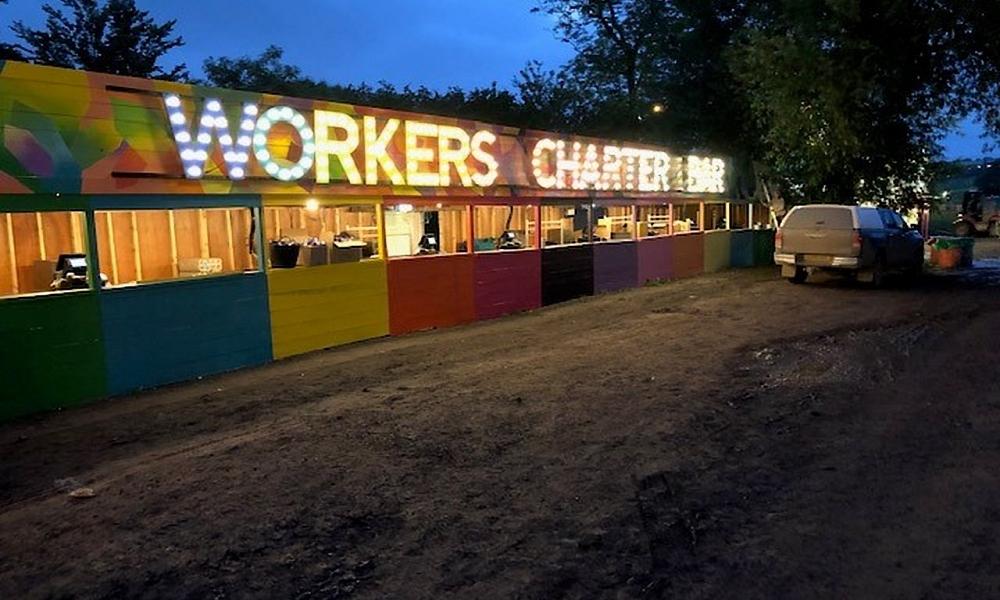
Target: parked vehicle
<point x="862" y="242"/>
<point x="980" y="215"/>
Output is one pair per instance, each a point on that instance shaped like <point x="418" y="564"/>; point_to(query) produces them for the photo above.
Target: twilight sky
<point x="436" y="43"/>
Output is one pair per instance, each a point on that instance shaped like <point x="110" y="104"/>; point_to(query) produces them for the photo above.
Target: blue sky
<point x="436" y="43"/>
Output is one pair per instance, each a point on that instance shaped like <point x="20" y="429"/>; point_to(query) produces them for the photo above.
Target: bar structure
<point x="153" y="233"/>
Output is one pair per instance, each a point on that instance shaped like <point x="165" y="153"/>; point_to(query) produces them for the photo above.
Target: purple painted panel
<point x="616" y="266"/>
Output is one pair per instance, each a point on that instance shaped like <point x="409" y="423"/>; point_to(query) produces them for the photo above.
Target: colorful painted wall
<point x="91" y="159"/>
<point x="51" y="353"/>
<point x="325" y="306"/>
<point x="75" y="132"/>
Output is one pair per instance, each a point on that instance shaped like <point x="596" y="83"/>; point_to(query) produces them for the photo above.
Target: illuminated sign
<point x="562" y="165"/>
<point x="433" y="155"/>
<point x="334" y="146"/>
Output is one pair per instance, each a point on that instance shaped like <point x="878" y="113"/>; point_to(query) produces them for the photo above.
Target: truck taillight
<point x="778" y="240"/>
<point x="856" y="241"/>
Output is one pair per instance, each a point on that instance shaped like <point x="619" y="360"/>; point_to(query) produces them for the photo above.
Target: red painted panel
<point x="656" y="256"/>
<point x="615" y="266"/>
<point x="429" y="292"/>
<point x="689" y="255"/>
<point x="507" y="282"/>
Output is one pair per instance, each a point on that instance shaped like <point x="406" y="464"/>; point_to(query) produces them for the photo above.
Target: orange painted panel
<point x="688" y="255"/>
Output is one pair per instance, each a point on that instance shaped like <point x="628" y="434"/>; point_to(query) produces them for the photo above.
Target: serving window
<point x="426" y="230"/>
<point x="313" y="235"/>
<point x="687" y="217"/>
<point x="567" y="224"/>
<point x="715" y="216"/>
<point x="43" y="252"/>
<point x="504" y="227"/>
<point x="654" y="220"/>
<point x="141" y="246"/>
<point x="614" y="223"/>
<point x="739" y="216"/>
<point x="760" y="216"/>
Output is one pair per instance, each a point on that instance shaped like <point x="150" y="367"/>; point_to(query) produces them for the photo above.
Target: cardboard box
<point x="193" y="267"/>
<point x="346" y="255"/>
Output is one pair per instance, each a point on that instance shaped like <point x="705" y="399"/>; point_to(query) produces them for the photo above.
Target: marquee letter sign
<point x="337" y="146"/>
<point x="563" y="165"/>
<point x="435" y="155"/>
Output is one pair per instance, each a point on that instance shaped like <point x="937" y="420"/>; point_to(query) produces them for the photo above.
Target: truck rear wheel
<point x="878" y="272"/>
<point x="800" y="276"/>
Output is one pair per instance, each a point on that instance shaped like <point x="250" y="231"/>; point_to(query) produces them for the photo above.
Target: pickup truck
<point x="862" y="242"/>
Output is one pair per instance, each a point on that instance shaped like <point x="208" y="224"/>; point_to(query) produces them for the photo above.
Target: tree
<point x="267" y="72"/>
<point x="115" y="37"/>
<point x="615" y="42"/>
<point x="828" y="100"/>
<point x="845" y="111"/>
<point x="9" y="51"/>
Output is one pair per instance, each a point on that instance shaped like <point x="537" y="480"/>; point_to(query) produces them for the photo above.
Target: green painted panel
<point x="763" y="247"/>
<point x="51" y="353"/>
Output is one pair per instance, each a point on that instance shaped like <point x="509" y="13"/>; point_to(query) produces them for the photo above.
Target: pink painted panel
<point x="507" y="282"/>
<point x="655" y="259"/>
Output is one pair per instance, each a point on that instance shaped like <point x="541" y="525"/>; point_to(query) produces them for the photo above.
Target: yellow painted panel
<point x="320" y="307"/>
<point x="717" y="250"/>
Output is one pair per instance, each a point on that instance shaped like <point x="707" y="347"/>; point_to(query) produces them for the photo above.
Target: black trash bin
<point x="284" y="254"/>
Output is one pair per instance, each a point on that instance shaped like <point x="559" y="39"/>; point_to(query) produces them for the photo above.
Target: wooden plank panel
<point x="655" y="259"/>
<point x="159" y="334"/>
<point x="717" y="250"/>
<point x="6" y="264"/>
<point x="124" y="246"/>
<point x="104" y="247"/>
<point x="154" y="244"/>
<point x="46" y="364"/>
<point x="321" y="307"/>
<point x="58" y="228"/>
<point x="763" y="247"/>
<point x="616" y="266"/>
<point x="188" y="234"/>
<point x="507" y="282"/>
<point x="28" y="251"/>
<point x="430" y="292"/>
<point x="567" y="273"/>
<point x="689" y="254"/>
<point x="218" y="238"/>
<point x="241" y="238"/>
<point x="741" y="248"/>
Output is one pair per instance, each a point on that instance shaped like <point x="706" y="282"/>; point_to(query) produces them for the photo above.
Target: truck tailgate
<point x="817" y="240"/>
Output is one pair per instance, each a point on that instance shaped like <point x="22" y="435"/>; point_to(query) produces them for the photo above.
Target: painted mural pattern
<point x="104" y="147"/>
<point x="75" y="132"/>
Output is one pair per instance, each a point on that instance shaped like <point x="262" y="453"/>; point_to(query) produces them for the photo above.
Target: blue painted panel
<point x="174" y="331"/>
<point x="741" y="248"/>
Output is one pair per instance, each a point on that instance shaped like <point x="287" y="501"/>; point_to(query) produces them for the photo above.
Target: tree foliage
<point x="268" y="72"/>
<point x="9" y="51"/>
<point x="114" y="37"/>
<point x="829" y="100"/>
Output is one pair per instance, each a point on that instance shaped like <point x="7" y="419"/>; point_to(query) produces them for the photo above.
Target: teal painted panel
<point x="741" y="248"/>
<point x="175" y="331"/>
<point x="51" y="353"/>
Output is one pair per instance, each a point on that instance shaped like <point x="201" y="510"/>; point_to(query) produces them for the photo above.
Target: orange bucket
<point x="947" y="258"/>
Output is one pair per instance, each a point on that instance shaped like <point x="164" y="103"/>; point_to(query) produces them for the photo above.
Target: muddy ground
<point x="731" y="436"/>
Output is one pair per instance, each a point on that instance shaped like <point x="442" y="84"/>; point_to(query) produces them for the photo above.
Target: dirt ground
<point x="730" y="436"/>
